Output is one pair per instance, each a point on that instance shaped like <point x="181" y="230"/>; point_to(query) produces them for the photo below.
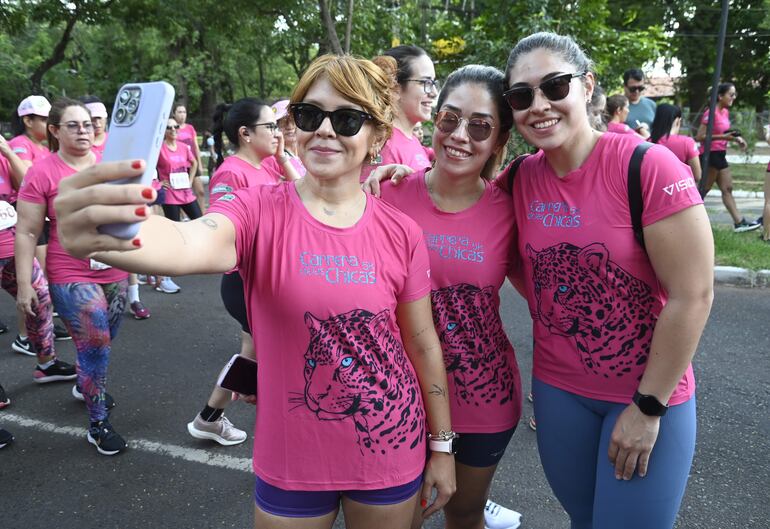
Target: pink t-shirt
<point x="27" y="149"/>
<point x="188" y="136"/>
<point x="275" y="168"/>
<point x="338" y="402"/>
<point x="721" y="125"/>
<point x="234" y="174"/>
<point x="592" y="292"/>
<point x="620" y="128"/>
<point x="99" y="149"/>
<point x="400" y="149"/>
<point x="40" y="186"/>
<point x="470" y="255"/>
<point x="177" y="161"/>
<point x="682" y="146"/>
<point x="6" y="192"/>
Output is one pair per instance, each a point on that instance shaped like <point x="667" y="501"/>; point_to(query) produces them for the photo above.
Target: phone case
<point x="239" y="375"/>
<point x="137" y="127"/>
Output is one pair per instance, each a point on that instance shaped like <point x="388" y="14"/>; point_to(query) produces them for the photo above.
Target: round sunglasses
<point x="478" y="129"/>
<point x="345" y="121"/>
<point x="555" y="89"/>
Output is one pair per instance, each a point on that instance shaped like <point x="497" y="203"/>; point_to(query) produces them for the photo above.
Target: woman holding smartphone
<point x="90" y="296"/>
<point x="351" y="378"/>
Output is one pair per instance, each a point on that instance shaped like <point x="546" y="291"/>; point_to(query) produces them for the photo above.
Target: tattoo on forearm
<point x="210" y="223"/>
<point x="420" y="332"/>
<point x="438" y="391"/>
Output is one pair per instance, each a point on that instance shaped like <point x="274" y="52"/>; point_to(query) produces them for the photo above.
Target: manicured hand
<point x="439" y="475"/>
<point x="85" y="201"/>
<point x="632" y="441"/>
<point x="394" y="172"/>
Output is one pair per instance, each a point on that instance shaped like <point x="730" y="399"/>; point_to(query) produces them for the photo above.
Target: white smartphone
<point x="137" y="127"/>
<point x="239" y="375"/>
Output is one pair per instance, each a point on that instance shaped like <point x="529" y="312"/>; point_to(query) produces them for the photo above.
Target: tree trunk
<point x="349" y="25"/>
<point x="331" y="30"/>
<point x="36" y="80"/>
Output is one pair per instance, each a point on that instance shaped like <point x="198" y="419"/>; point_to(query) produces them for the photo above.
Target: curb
<point x="738" y="193"/>
<point x="741" y="277"/>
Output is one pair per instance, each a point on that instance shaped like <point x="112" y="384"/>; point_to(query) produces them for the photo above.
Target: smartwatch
<point x="444" y="442"/>
<point x="650" y="405"/>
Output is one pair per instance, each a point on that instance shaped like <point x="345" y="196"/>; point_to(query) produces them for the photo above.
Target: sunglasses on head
<point x="639" y="88"/>
<point x="345" y="121"/>
<point x="478" y="129"/>
<point x="555" y="89"/>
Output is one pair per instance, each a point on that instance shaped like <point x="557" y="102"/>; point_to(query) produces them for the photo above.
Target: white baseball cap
<point x="34" y="105"/>
<point x="97" y="109"/>
<point x="281" y="108"/>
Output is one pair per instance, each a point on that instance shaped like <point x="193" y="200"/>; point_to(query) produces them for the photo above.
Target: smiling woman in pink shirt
<point x="351" y="386"/>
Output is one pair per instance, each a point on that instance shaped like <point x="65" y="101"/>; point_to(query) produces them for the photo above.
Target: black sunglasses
<point x="172" y="127"/>
<point x="478" y="129"/>
<point x="555" y="89"/>
<point x="639" y="88"/>
<point x="345" y="121"/>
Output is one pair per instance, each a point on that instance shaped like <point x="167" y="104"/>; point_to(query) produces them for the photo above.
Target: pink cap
<point x="281" y="109"/>
<point x="34" y="105"/>
<point x="97" y="109"/>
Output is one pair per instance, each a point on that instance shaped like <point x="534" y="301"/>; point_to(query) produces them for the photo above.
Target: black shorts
<point x="482" y="449"/>
<point x="45" y="234"/>
<point x="231" y="290"/>
<point x="717" y="160"/>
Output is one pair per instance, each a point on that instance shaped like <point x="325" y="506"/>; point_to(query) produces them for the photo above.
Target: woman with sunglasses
<point x="414" y="89"/>
<point x="350" y="378"/>
<point x="615" y="326"/>
<point x="89" y="295"/>
<point x="468" y="225"/>
<point x="665" y="131"/>
<point x="719" y="169"/>
<point x="250" y="126"/>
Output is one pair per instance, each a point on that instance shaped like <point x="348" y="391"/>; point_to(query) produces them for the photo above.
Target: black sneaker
<point x="745" y="225"/>
<point x="23" y="346"/>
<point x="3" y="327"/>
<point x="4" y="400"/>
<point x="60" y="333"/>
<point x="107" y="441"/>
<point x="57" y="371"/>
<point x="5" y="437"/>
<point x="109" y="402"/>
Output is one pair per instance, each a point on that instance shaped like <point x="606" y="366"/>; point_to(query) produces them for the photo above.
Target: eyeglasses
<point x="478" y="129"/>
<point x="73" y="127"/>
<point x="172" y="127"/>
<point x="345" y="121"/>
<point x="639" y="88"/>
<point x="555" y="89"/>
<point x="272" y="127"/>
<point x="428" y="85"/>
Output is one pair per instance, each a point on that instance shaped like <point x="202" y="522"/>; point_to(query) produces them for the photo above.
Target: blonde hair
<point x="359" y="81"/>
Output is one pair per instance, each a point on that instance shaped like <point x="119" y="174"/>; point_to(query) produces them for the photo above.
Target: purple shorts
<point x="310" y="504"/>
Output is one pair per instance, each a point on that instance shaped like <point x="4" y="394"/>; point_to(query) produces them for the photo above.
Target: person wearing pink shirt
<point x="719" y="169"/>
<point x="616" y="111"/>
<point x="188" y="135"/>
<point x="415" y="90"/>
<point x="615" y="324"/>
<point x="467" y="222"/>
<point x="28" y="125"/>
<point x="294" y="169"/>
<point x="89" y="295"/>
<point x="665" y="131"/>
<point x="350" y="380"/>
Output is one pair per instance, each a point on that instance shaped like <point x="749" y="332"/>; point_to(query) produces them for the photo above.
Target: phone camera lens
<point x="132" y="105"/>
<point x="124" y="96"/>
<point x="120" y="115"/>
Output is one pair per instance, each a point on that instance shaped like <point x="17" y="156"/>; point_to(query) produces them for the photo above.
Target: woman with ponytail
<point x="665" y="131"/>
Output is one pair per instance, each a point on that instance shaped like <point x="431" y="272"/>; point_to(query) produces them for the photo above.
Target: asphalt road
<point x="162" y="371"/>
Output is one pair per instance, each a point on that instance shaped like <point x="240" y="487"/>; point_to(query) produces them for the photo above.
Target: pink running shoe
<point x="139" y="311"/>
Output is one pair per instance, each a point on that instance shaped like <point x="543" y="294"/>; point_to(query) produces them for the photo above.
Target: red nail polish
<point x="423" y="503"/>
<point x="136" y="242"/>
<point x="147" y="193"/>
<point x="140" y="212"/>
<point x="136" y="164"/>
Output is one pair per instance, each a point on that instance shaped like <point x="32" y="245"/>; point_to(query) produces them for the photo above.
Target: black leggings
<point x="171" y="211"/>
<point x="231" y="290"/>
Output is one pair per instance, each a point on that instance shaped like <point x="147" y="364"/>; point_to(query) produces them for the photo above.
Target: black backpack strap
<point x="635" y="203"/>
<point x="512" y="171"/>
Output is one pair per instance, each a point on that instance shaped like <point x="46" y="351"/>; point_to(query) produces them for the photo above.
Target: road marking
<point x="194" y="455"/>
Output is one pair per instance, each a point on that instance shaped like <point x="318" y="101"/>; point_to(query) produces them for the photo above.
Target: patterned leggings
<point x="92" y="313"/>
<point x="39" y="326"/>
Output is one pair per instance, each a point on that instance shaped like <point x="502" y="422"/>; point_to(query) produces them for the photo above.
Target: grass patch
<point x="748" y="176"/>
<point x="745" y="250"/>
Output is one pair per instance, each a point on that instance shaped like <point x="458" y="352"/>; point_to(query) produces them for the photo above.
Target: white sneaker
<point x="167" y="286"/>
<point x="498" y="517"/>
<point x="222" y="431"/>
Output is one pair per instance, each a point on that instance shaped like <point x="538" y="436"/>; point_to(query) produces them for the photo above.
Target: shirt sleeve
<point x="417" y="284"/>
<point x="667" y="185"/>
<point x="222" y="182"/>
<point x="243" y="208"/>
<point x="34" y="187"/>
<point x="692" y="149"/>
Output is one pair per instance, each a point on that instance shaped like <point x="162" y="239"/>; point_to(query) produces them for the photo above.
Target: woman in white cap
<point x="99" y="120"/>
<point x="29" y="129"/>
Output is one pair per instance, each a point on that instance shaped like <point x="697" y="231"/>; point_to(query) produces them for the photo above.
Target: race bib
<point x="8" y="216"/>
<point x="98" y="265"/>
<point x="179" y="180"/>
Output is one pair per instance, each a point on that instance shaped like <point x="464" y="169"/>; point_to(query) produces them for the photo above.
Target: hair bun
<point x="389" y="65"/>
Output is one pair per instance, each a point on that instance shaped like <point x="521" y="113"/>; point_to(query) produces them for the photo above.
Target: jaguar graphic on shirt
<point x="581" y="293"/>
<point x="474" y="344"/>
<point x="356" y="369"/>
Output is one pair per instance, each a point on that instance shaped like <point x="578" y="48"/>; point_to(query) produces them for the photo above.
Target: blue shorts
<point x="482" y="450"/>
<point x="160" y="199"/>
<point x="310" y="504"/>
